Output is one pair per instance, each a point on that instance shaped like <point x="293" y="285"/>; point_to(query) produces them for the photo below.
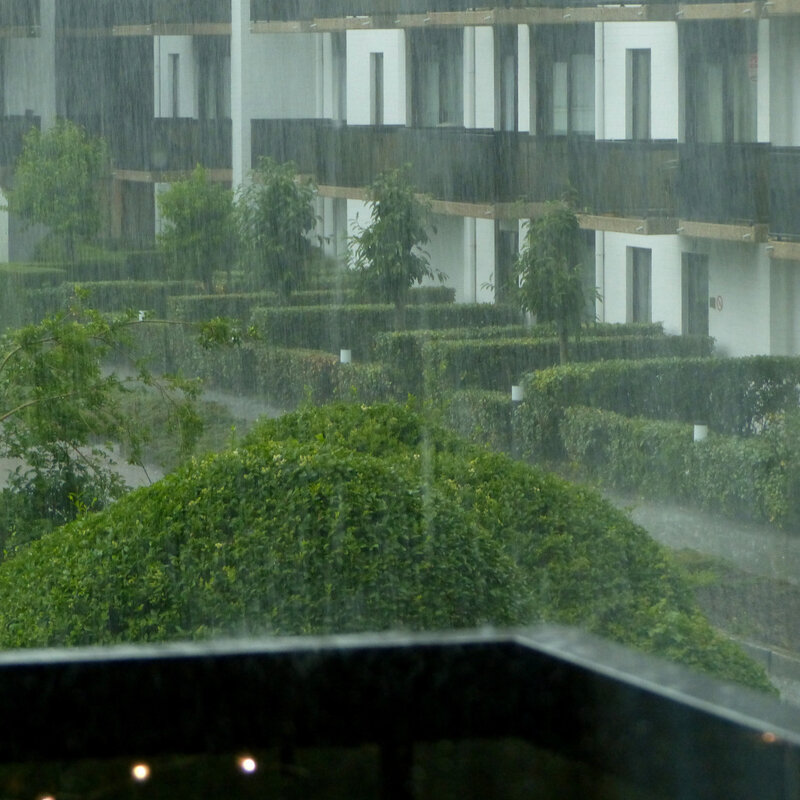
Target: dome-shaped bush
<point x="348" y="518"/>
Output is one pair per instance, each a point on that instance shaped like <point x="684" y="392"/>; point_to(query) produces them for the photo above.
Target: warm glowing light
<point x="768" y="737"/>
<point x="47" y="797"/>
<point x="247" y="764"/>
<point x="140" y="772"/>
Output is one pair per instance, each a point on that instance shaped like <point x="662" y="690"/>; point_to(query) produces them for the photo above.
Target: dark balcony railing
<point x="167" y="145"/>
<point x="724" y="183"/>
<point x="12" y="132"/>
<point x="19" y="14"/>
<point x="784" y="193"/>
<point x="77" y="14"/>
<point x="625" y="178"/>
<point x="547" y="713"/>
<point x="283" y="10"/>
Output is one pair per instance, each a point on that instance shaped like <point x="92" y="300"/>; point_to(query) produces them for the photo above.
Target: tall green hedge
<point x="741" y="477"/>
<point x="732" y="395"/>
<point x="354" y="327"/>
<point x="498" y="363"/>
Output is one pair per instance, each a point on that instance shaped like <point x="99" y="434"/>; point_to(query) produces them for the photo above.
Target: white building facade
<point x="671" y="125"/>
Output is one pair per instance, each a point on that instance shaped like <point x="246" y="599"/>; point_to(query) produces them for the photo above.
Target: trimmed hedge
<point x="401" y="351"/>
<point x="354" y="327"/>
<point x="17" y="282"/>
<point x="733" y="396"/>
<point x="735" y="476"/>
<point x="497" y="364"/>
<point x="208" y="306"/>
<point x="482" y="417"/>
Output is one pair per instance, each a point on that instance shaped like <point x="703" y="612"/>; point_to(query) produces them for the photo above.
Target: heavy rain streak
<point x="399" y="398"/>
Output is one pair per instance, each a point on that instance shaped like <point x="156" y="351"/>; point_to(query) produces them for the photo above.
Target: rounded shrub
<point x="351" y="518"/>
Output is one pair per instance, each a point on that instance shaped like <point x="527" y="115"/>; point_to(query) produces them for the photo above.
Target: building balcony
<point x="81" y="14"/>
<point x="724" y="183"/>
<point x="480" y="167"/>
<point x="300" y="10"/>
<point x="167" y="145"/>
<point x="784" y="193"/>
<point x="19" y="15"/>
<point x="12" y="132"/>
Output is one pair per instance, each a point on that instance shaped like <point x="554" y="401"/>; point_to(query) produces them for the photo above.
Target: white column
<point x="240" y="105"/>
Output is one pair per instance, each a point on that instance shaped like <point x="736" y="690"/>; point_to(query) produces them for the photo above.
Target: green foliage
<point x="496" y="364"/>
<point x="481" y="416"/>
<point x="60" y="410"/>
<point x="56" y="183"/>
<point x="353" y="518"/>
<point x="735" y="396"/>
<point x="388" y="251"/>
<point x="275" y="214"/>
<point x="355" y="327"/>
<point x="550" y="275"/>
<point x="199" y="233"/>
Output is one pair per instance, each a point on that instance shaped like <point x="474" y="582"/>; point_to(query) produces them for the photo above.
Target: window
<point x="174" y="85"/>
<point x="437" y="78"/>
<point x="638" y="94"/>
<point x="695" y="293"/>
<point x="639" y="284"/>
<point x="376" y="88"/>
<point x="720" y="82"/>
<point x="564" y="81"/>
<point x="506" y="71"/>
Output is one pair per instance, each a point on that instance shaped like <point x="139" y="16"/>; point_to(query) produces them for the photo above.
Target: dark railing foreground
<point x="549" y="713"/>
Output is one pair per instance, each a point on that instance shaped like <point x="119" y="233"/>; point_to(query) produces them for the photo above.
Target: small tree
<point x="275" y="214"/>
<point x="549" y="266"/>
<point x="199" y="233"/>
<point x="388" y="251"/>
<point x="60" y="408"/>
<point x="57" y="183"/>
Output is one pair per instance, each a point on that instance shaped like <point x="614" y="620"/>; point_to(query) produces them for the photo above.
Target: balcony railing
<point x="284" y="10"/>
<point x="12" y="132"/>
<point x="544" y="713"/>
<point x="169" y="145"/>
<point x="475" y="166"/>
<point x="78" y="14"/>
<point x="784" y="193"/>
<point x="724" y="183"/>
<point x="19" y="14"/>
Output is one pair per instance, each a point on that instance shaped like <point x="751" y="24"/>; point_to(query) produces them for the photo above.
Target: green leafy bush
<point x="734" y="396"/>
<point x="739" y="477"/>
<point x="351" y="518"/>
<point x="355" y="327"/>
<point x="498" y="363"/>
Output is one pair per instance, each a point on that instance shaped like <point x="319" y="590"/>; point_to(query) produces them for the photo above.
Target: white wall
<point x="446" y="250"/>
<point x="524" y="78"/>
<point x="164" y="48"/>
<point x="30" y="66"/>
<point x="360" y="44"/>
<point x="740" y="274"/>
<point x="273" y="76"/>
<point x="665" y="277"/>
<point x="662" y="40"/>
